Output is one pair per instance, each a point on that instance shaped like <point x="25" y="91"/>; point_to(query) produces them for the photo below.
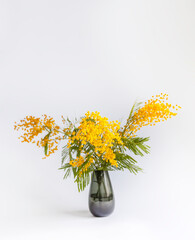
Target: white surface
<point x="67" y="57"/>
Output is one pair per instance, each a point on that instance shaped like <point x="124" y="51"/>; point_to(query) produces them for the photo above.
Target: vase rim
<point x="100" y="170"/>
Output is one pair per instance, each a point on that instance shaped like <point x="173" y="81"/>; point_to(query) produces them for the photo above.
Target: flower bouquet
<point x="93" y="144"/>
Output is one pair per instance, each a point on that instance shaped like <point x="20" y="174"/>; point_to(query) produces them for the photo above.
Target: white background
<point x="68" y="57"/>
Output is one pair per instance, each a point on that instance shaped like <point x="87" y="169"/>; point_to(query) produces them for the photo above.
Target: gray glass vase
<point x="101" y="197"/>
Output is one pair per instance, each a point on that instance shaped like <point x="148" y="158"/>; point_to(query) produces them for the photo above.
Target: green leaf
<point x="134" y="108"/>
<point x="67" y="165"/>
<point x="65" y="154"/>
<point x="136" y="145"/>
<point x="67" y="173"/>
<point x="46" y="145"/>
<point x="83" y="181"/>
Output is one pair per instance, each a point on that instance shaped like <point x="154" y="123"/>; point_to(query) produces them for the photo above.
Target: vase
<point x="101" y="197"/>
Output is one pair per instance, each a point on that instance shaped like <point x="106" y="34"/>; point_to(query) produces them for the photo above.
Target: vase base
<point x="101" y="209"/>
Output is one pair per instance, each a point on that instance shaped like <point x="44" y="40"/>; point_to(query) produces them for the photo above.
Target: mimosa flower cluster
<point x="98" y="132"/>
<point x="33" y="127"/>
<point x="154" y="111"/>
